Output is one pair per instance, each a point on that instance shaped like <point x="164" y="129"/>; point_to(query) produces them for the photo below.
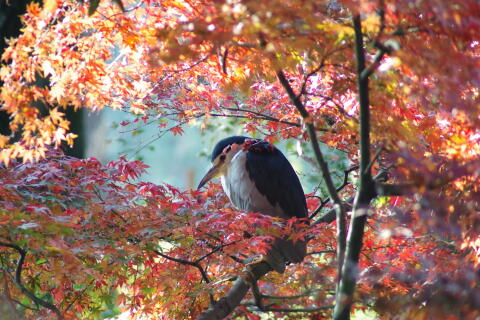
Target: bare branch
<point x="311" y="131"/>
<point x="195" y="264"/>
<point x="379" y="179"/>
<point x="78" y="295"/>
<point x="340" y="188"/>
<point x="308" y="75"/>
<point x="214" y="250"/>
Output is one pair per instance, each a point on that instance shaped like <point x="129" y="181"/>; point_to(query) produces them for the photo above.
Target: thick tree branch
<point x="224" y="61"/>
<point x="232" y="299"/>
<point x="340" y="211"/>
<point x="313" y="137"/>
<point x="365" y="193"/>
<point x="19" y="283"/>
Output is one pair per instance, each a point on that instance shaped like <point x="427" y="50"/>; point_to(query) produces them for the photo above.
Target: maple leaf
<point x="88" y="230"/>
<point x="176" y="130"/>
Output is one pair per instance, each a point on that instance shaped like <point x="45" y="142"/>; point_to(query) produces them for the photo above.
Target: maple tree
<point x="392" y="85"/>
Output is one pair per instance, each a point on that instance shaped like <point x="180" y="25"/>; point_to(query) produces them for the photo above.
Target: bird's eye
<point x="222" y="157"/>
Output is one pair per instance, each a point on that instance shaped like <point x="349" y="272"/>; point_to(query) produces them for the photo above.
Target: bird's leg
<point x="257" y="295"/>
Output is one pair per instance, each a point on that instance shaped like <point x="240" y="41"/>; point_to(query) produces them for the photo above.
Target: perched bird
<point x="257" y="177"/>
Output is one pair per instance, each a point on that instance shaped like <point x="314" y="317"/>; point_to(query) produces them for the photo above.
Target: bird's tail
<point x="284" y="251"/>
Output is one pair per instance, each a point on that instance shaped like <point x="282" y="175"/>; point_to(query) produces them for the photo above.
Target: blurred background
<point x="179" y="160"/>
<point x="182" y="159"/>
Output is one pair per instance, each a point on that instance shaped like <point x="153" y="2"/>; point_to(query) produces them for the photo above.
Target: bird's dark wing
<point x="276" y="179"/>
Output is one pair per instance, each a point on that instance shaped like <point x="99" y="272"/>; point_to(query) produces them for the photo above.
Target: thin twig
<point x="337" y="105"/>
<point x="340" y="188"/>
<point x="320" y="252"/>
<point x="270" y="118"/>
<point x="308" y="75"/>
<point x="305" y="310"/>
<point x="78" y="295"/>
<point x="375" y="158"/>
<point x="185" y="262"/>
<point x="258" y="296"/>
<point x="195" y="264"/>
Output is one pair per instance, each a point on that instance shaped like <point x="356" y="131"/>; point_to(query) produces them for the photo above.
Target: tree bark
<point x="365" y="193"/>
<point x="232" y="299"/>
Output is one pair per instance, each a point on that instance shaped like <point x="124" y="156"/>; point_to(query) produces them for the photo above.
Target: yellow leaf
<point x="49" y="6"/>
<point x="3" y="140"/>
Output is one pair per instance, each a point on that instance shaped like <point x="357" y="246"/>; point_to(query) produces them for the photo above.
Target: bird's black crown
<point x="226" y="142"/>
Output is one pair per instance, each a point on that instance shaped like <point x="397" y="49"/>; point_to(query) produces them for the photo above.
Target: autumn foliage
<point x="82" y="239"/>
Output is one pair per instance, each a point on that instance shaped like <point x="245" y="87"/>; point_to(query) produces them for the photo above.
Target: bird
<point x="257" y="177"/>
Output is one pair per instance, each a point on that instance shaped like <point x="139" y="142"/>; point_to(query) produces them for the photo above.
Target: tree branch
<point x="305" y="310"/>
<point x="19" y="283"/>
<point x="262" y="116"/>
<point x="338" y="205"/>
<point x="258" y="296"/>
<point x="367" y="72"/>
<point x="232" y="299"/>
<point x="365" y="193"/>
<point x="340" y="188"/>
<point x="224" y="61"/>
<point x="195" y="264"/>
<point x="379" y="179"/>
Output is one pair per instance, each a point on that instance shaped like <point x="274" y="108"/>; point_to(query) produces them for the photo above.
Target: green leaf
<point x="79" y="286"/>
<point x="148" y="290"/>
<point x="93" y="6"/>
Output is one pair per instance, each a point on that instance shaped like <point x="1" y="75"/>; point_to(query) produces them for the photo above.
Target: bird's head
<point x="222" y="156"/>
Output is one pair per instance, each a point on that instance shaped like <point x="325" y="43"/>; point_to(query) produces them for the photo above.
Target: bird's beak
<point x="212" y="173"/>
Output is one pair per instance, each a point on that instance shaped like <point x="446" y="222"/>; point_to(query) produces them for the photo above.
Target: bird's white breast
<point x="242" y="191"/>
